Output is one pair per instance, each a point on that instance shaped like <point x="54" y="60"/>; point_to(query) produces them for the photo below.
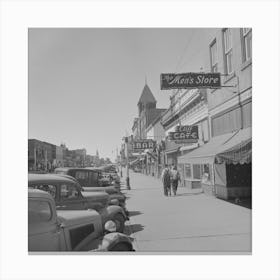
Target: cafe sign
<point x="143" y="144"/>
<point x="184" y="134"/>
<point x="190" y="80"/>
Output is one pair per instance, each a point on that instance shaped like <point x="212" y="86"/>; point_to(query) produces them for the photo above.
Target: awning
<point x="222" y="148"/>
<point x="172" y="151"/>
<point x="237" y="149"/>
<point x="189" y="147"/>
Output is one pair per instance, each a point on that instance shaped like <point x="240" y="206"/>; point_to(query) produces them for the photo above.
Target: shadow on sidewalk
<point x="133" y="228"/>
<point x="189" y="194"/>
<point x="134" y="213"/>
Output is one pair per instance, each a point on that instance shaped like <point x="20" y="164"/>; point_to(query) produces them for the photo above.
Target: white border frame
<point x="17" y="16"/>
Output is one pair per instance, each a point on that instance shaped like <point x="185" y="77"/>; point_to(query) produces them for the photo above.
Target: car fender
<point x="107" y="242"/>
<point x="112" y="210"/>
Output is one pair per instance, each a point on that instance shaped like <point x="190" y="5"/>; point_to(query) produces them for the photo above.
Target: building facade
<point x="41" y="155"/>
<point x="222" y="167"/>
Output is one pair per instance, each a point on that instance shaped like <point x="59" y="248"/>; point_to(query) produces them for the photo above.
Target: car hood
<point x="108" y="190"/>
<point x="76" y="217"/>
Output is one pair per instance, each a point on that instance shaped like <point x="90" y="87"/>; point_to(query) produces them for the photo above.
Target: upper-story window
<point x="227" y="37"/>
<point x="246" y="43"/>
<point x="213" y="57"/>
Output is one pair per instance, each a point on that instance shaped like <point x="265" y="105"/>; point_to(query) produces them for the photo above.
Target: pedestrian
<point x="175" y="178"/>
<point x="165" y="177"/>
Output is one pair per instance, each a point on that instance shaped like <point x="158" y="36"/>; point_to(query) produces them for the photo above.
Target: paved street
<point x="189" y="222"/>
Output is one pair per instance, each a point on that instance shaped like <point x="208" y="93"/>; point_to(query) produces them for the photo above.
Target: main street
<point x="190" y="222"/>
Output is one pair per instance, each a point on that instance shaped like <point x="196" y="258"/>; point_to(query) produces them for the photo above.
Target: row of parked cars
<point x="72" y="210"/>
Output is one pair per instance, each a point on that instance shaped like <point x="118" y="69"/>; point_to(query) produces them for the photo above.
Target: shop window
<point x="246" y="37"/>
<point x="227" y="36"/>
<point x="197" y="171"/>
<point x="188" y="172"/>
<point x="213" y="57"/>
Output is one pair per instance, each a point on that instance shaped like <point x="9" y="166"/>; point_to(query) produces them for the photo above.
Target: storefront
<point x="222" y="167"/>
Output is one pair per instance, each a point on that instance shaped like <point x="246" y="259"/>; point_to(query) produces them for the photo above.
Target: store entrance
<point x="239" y="183"/>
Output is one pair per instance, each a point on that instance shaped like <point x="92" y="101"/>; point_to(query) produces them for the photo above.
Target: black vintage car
<point x="89" y="179"/>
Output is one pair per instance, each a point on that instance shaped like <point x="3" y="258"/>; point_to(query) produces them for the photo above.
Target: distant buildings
<point x="46" y="156"/>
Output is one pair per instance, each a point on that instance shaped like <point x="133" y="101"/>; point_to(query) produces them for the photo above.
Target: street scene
<point x="138" y="144"/>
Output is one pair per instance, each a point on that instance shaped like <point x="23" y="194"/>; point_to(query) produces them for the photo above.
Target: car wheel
<point x="122" y="247"/>
<point x="119" y="219"/>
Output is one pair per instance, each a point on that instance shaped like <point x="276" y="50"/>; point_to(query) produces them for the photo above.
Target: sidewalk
<point x="190" y="222"/>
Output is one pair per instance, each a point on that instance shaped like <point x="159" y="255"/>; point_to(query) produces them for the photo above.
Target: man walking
<point x="165" y="177"/>
<point x="175" y="178"/>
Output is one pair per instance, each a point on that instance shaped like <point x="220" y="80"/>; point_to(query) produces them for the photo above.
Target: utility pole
<point x="35" y="159"/>
<point x="127" y="164"/>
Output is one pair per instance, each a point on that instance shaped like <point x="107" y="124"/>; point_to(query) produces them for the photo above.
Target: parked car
<point x="68" y="195"/>
<point x="105" y="180"/>
<point x="112" y="172"/>
<point x="89" y="180"/>
<point x="54" y="230"/>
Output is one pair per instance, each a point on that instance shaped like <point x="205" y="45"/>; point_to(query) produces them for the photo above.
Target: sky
<point x="84" y="84"/>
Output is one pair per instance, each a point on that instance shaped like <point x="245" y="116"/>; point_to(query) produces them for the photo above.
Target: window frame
<point x="49" y="206"/>
<point x="193" y="173"/>
<point x="190" y="169"/>
<point x="212" y="64"/>
<point x="245" y="33"/>
<point x="228" y="51"/>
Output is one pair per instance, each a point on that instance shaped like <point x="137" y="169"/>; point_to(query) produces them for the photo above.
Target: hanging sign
<point x="184" y="134"/>
<point x="190" y="80"/>
<point x="143" y="144"/>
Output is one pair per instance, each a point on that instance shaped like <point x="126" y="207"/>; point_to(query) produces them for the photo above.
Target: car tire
<point x="122" y="247"/>
<point x="119" y="219"/>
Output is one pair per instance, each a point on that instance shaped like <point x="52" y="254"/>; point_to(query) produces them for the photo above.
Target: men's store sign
<point x="184" y="134"/>
<point x="190" y="80"/>
<point x="143" y="144"/>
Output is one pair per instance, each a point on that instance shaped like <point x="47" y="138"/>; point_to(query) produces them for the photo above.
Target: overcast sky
<point x="84" y="84"/>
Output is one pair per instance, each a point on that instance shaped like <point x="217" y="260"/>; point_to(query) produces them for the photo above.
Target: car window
<point x="68" y="192"/>
<point x="81" y="175"/>
<point x="39" y="211"/>
<point x="94" y="176"/>
<point x="51" y="189"/>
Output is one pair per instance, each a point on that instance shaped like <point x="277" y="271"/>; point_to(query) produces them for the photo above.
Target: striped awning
<point x="234" y="147"/>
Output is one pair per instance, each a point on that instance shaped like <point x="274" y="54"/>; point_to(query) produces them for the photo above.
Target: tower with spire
<point x="147" y="111"/>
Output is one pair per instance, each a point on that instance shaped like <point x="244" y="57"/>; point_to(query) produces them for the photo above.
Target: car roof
<point x="76" y="168"/>
<point x="48" y="178"/>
